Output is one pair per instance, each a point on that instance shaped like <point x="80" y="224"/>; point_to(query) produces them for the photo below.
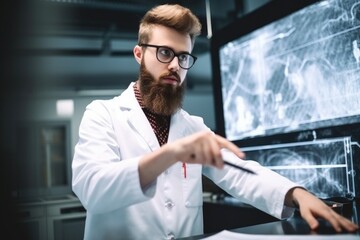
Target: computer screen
<point x="287" y="91"/>
<point x="291" y="66"/>
<point x="324" y="167"/>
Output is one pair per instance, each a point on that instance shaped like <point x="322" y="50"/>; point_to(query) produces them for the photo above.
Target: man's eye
<point x="165" y="52"/>
<point x="183" y="57"/>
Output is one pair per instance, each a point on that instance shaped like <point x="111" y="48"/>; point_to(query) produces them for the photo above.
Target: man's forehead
<point x="166" y="36"/>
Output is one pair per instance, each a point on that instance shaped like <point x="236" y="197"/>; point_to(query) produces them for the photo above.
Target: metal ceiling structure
<point x="83" y="44"/>
<point x="117" y="19"/>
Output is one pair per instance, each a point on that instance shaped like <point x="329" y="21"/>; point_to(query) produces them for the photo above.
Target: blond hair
<point x="173" y="16"/>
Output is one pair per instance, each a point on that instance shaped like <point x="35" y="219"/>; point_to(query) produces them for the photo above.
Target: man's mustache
<point x="171" y="74"/>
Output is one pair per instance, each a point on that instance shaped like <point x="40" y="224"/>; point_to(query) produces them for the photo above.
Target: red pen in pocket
<point x="184" y="168"/>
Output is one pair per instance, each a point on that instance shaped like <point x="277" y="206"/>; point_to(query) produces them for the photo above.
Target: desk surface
<point x="291" y="226"/>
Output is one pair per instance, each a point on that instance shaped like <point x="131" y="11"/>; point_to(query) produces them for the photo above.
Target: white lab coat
<point x="113" y="135"/>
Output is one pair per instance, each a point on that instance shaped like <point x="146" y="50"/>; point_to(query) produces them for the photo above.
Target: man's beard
<point x="160" y="98"/>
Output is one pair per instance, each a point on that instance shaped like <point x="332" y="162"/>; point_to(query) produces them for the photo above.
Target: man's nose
<point x="174" y="64"/>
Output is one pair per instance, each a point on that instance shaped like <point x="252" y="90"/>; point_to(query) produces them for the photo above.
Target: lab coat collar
<point x="140" y="123"/>
<point x="137" y="118"/>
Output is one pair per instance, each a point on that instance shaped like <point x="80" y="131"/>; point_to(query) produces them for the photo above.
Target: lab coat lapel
<point x="137" y="119"/>
<point x="178" y="127"/>
<point x="141" y="124"/>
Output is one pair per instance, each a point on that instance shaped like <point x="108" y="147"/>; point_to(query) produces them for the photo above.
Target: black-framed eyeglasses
<point x="165" y="55"/>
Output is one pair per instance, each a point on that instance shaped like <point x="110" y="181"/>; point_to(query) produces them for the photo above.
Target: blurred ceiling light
<point x="65" y="107"/>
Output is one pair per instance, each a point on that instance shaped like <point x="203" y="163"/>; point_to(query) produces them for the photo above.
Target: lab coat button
<point x="170" y="236"/>
<point x="169" y="204"/>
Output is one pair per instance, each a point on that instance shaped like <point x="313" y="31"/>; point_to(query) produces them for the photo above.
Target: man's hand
<point x="204" y="148"/>
<point x="312" y="208"/>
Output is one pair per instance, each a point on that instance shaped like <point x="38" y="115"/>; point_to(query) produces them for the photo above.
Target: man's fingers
<point x="310" y="219"/>
<point x="230" y="146"/>
<point x="338" y="222"/>
<point x="335" y="222"/>
<point x="216" y="155"/>
<point x="205" y="148"/>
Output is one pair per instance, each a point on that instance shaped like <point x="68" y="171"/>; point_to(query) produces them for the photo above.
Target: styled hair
<point x="173" y="16"/>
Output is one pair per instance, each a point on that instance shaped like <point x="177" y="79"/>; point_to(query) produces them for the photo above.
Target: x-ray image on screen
<point x="324" y="167"/>
<point x="300" y="72"/>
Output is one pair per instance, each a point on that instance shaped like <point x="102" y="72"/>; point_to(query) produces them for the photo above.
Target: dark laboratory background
<point x="59" y="55"/>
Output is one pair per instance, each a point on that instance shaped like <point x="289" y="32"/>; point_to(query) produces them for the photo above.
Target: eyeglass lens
<point x="166" y="55"/>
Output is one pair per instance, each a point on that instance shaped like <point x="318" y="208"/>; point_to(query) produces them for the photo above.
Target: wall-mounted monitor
<point x="287" y="73"/>
<point x="290" y="66"/>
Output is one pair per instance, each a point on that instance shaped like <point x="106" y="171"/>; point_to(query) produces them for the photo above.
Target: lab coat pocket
<point x="192" y="186"/>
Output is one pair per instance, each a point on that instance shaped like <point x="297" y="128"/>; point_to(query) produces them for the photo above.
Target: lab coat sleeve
<point x="102" y="180"/>
<point x="266" y="190"/>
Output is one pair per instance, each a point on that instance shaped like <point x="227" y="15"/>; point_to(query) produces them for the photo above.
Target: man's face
<point x="162" y="85"/>
<point x="159" y="97"/>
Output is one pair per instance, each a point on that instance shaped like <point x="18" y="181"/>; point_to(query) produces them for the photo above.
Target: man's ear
<point x="138" y="53"/>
